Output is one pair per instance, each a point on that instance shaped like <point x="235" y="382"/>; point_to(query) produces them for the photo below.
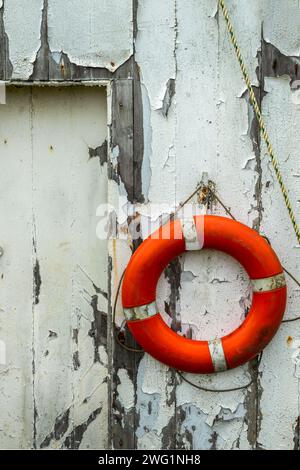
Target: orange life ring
<point x="220" y="233"/>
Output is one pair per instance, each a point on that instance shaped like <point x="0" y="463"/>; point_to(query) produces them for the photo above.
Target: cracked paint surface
<point x="210" y="126"/>
<point x="23" y="47"/>
<point x="100" y="33"/>
<point x="84" y="42"/>
<point x="190" y="113"/>
<point x="62" y="369"/>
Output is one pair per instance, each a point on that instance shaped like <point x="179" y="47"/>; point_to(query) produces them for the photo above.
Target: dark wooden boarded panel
<point x="122" y="133"/>
<point x="122" y="422"/>
<point x="5" y="65"/>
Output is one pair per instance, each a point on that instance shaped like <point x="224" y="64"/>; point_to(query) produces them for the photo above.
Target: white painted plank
<point x="212" y="136"/>
<point x="280" y="379"/>
<point x="22" y="25"/>
<point x="68" y="187"/>
<point x="207" y="128"/>
<point x="92" y="33"/>
<point x="16" y="410"/>
<point x="237" y="173"/>
<point x="155" y="44"/>
<point x="280" y="25"/>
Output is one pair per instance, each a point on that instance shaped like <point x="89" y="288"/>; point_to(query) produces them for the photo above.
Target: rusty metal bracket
<point x="203" y="192"/>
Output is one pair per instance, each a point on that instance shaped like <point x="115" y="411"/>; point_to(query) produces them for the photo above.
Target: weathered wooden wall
<point x="178" y="107"/>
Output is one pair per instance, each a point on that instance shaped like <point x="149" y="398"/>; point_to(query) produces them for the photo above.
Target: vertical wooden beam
<point x="123" y="421"/>
<point x="5" y="64"/>
<point x="127" y="149"/>
<point x="122" y="144"/>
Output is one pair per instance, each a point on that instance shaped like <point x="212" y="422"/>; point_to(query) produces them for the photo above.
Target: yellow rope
<point x="260" y="120"/>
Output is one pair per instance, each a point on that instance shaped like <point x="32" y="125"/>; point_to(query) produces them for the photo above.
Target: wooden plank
<point x="212" y="284"/>
<point x="70" y="276"/>
<point x="5" y="64"/>
<point x="156" y="427"/>
<point x="16" y="280"/>
<point x="179" y="108"/>
<point x="239" y="138"/>
<point x="123" y="363"/>
<point x="280" y="377"/>
<point x="60" y="172"/>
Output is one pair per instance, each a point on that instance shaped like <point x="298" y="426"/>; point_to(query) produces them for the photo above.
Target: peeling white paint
<point x="15" y="266"/>
<point x="280" y="24"/>
<point x="93" y="33"/>
<point x="159" y="132"/>
<point x="207" y="128"/>
<point x="53" y="146"/>
<point x="156" y="29"/>
<point x="296" y="356"/>
<point x="125" y="390"/>
<point x="279" y="383"/>
<point x="222" y="278"/>
<point x="203" y="136"/>
<point x="150" y="441"/>
<point x="23" y="47"/>
<point x="154" y="391"/>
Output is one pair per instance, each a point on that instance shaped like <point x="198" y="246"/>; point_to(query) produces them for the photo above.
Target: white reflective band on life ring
<point x="217" y="355"/>
<point x="189" y="231"/>
<point x="268" y="284"/>
<point x="140" y="313"/>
